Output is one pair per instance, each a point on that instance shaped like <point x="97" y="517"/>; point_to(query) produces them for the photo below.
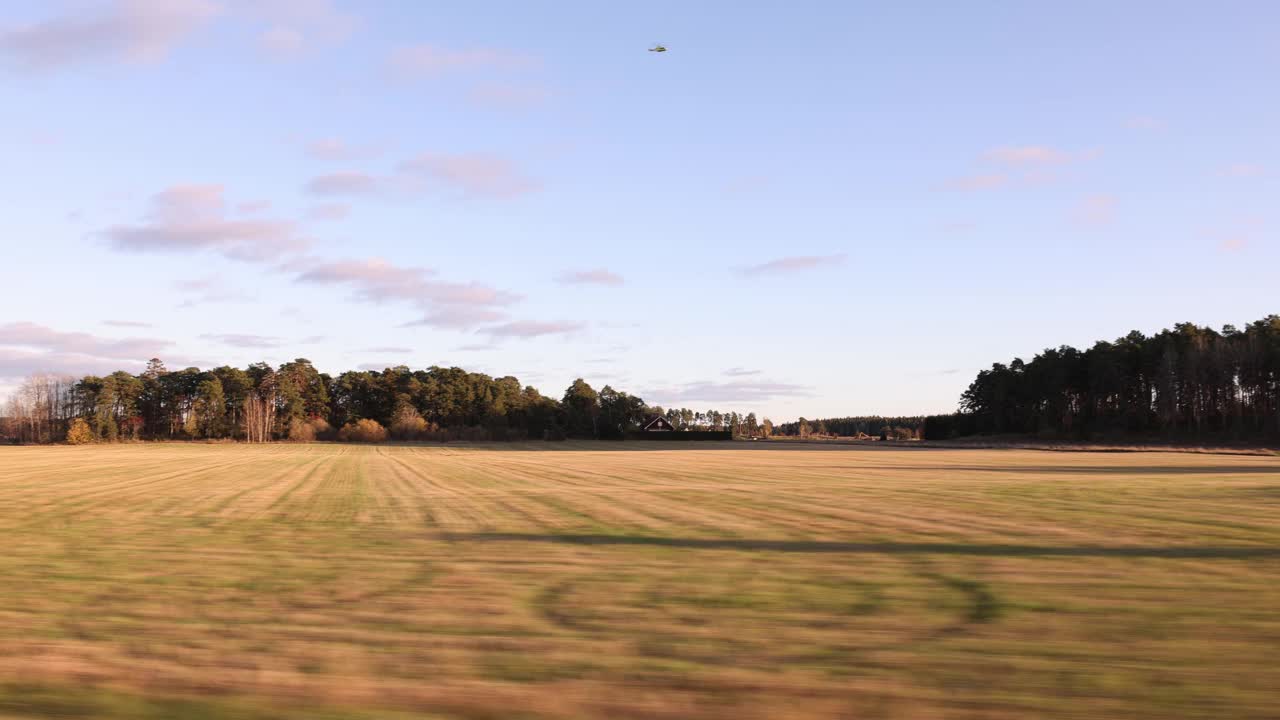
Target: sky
<point x="802" y="208"/>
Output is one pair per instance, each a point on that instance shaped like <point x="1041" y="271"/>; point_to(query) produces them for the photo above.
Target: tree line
<point x="297" y="402"/>
<point x="863" y="426"/>
<point x="1188" y="383"/>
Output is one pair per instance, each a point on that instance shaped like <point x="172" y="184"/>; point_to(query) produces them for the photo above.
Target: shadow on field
<point x="886" y="548"/>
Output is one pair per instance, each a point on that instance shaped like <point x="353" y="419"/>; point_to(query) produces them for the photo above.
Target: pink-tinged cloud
<point x="245" y="341"/>
<point x="1143" y="122"/>
<point x="124" y="30"/>
<point x="479" y="174"/>
<point x="126" y="324"/>
<point x="794" y="263"/>
<point x="41" y="338"/>
<point x="18" y="363"/>
<point x="329" y="211"/>
<point x="531" y="329"/>
<point x="1244" y="170"/>
<point x="418" y="61"/>
<point x="444" y="304"/>
<point x="455" y="317"/>
<point x="208" y="290"/>
<point x="599" y="276"/>
<point x="333" y="149"/>
<point x="737" y="391"/>
<point x="508" y="96"/>
<point x="295" y="26"/>
<point x="344" y="183"/>
<point x="980" y="181"/>
<point x="1025" y="155"/>
<point x="187" y="218"/>
<point x="253" y="207"/>
<point x="1095" y="211"/>
<point x="379" y="366"/>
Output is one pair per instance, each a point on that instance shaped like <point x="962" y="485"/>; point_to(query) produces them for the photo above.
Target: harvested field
<point x="636" y="580"/>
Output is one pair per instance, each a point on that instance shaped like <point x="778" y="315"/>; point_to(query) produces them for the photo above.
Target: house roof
<point x="656" y="419"/>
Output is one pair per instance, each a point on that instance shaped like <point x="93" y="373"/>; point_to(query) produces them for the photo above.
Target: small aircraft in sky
<point x="658" y="48"/>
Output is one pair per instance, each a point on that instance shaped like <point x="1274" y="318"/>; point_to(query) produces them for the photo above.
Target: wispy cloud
<point x="253" y="207"/>
<point x="208" y="290"/>
<point x="477" y="347"/>
<point x="599" y="276"/>
<point x="378" y="366"/>
<point x="18" y="362"/>
<point x="1016" y="165"/>
<point x="740" y="372"/>
<point x="793" y="263"/>
<point x="345" y="183"/>
<point x="1024" y="155"/>
<point x="293" y="27"/>
<point x="737" y="391"/>
<point x="377" y="280"/>
<point x="124" y="30"/>
<point x="329" y="211"/>
<point x="531" y="329"/>
<point x="444" y="304"/>
<point x="1243" y="170"/>
<point x="506" y="96"/>
<point x="1095" y="211"/>
<point x="1143" y="122"/>
<point x="457" y="317"/>
<point x="186" y="218"/>
<point x="42" y="338"/>
<point x="333" y="149"/>
<point x="126" y="323"/>
<point x="424" y="61"/>
<point x="245" y="341"/>
<point x="979" y="181"/>
<point x="479" y="174"/>
<point x="1236" y="234"/>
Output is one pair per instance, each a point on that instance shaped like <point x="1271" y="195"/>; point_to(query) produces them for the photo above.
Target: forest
<point x="297" y="402"/>
<point x="863" y="427"/>
<point x="1186" y="384"/>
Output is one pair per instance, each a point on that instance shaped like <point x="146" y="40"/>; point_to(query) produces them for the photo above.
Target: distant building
<point x="658" y="424"/>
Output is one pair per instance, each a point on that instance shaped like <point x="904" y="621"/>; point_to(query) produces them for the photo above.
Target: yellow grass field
<point x="636" y="581"/>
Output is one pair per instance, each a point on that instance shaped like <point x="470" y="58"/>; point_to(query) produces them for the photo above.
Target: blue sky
<point x="807" y="208"/>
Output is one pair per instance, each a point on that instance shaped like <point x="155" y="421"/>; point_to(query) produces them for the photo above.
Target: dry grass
<point x="569" y="581"/>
